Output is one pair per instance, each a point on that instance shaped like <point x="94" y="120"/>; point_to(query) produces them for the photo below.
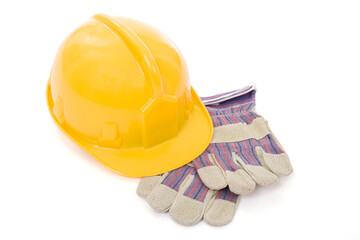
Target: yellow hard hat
<point x="120" y="89"/>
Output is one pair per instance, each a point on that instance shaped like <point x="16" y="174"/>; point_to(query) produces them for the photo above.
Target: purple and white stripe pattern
<point x="176" y="177"/>
<point x="245" y="149"/>
<point x="197" y="189"/>
<point x="226" y="194"/>
<point x="235" y="110"/>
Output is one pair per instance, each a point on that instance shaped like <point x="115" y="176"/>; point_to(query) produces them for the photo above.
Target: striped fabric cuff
<point x="224" y="97"/>
<point x="232" y="107"/>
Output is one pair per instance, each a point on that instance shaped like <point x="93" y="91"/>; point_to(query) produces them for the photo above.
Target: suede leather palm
<point x="242" y="153"/>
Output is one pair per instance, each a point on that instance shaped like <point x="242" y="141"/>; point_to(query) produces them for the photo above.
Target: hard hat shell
<point x="120" y="89"/>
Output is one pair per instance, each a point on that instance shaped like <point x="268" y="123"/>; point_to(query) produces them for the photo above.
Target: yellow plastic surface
<point x="120" y="89"/>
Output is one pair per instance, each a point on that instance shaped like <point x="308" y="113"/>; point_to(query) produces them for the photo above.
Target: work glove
<point x="243" y="152"/>
<point x="188" y="200"/>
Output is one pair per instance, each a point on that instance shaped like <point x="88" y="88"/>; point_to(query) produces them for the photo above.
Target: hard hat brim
<point x="191" y="141"/>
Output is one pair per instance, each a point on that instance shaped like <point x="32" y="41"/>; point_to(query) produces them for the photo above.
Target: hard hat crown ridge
<point x="120" y="89"/>
<point x="139" y="50"/>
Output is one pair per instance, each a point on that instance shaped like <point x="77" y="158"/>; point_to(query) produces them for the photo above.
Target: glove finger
<point x="217" y="169"/>
<point x="210" y="173"/>
<point x="163" y="195"/>
<point x="237" y="179"/>
<point x="191" y="202"/>
<point x="240" y="182"/>
<point x="247" y="157"/>
<point x="271" y="155"/>
<point x="222" y="208"/>
<point x="147" y="184"/>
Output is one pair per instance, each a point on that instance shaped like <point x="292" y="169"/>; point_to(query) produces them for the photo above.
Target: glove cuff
<point x="238" y="95"/>
<point x="232" y="107"/>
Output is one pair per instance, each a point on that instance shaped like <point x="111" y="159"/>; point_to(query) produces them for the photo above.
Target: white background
<point x="304" y="57"/>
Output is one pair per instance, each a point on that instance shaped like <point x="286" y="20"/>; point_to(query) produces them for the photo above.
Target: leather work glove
<point x="188" y="200"/>
<point x="242" y="153"/>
